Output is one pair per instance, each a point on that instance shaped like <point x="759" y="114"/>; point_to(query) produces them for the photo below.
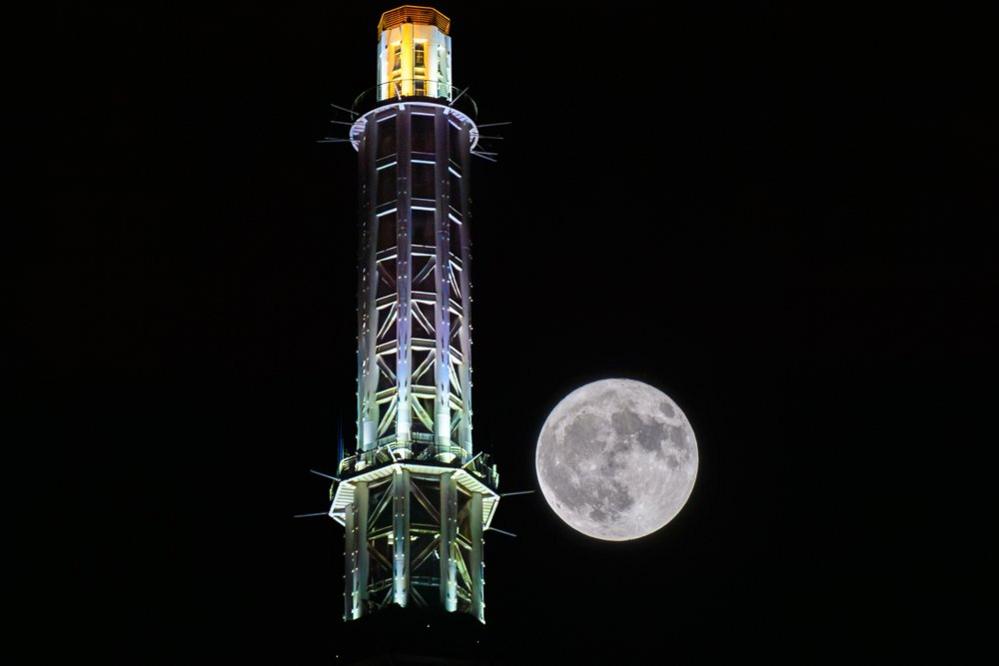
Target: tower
<point x="414" y="498"/>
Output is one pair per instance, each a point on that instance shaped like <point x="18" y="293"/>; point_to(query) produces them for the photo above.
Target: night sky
<point x="778" y="217"/>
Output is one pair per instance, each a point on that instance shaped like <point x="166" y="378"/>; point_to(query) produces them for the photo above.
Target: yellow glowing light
<point x="414" y="53"/>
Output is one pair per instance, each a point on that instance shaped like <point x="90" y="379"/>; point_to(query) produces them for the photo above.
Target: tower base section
<point x="414" y="538"/>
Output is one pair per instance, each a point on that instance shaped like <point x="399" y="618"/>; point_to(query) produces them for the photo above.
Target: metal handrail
<point x="458" y="97"/>
<point x="479" y="463"/>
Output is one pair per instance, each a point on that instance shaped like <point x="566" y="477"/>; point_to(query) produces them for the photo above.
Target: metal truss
<point x="414" y="499"/>
<point x="414" y="319"/>
<point x="414" y="538"/>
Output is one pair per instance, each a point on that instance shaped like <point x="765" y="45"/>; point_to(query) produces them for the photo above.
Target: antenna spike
<point x="328" y="476"/>
<point x="350" y="111"/>
<point x="485" y="157"/>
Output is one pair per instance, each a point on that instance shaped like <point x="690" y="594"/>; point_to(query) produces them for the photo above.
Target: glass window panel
<point x="455" y="231"/>
<point x="423" y="180"/>
<point x="454" y="139"/>
<point x="423" y="227"/>
<point x="385" y="277"/>
<point x="386" y="137"/>
<point x="386" y="184"/>
<point x="386" y="231"/>
<point x="455" y="184"/>
<point x="423" y="133"/>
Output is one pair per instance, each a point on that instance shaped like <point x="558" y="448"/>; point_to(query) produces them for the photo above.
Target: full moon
<point x="616" y="459"/>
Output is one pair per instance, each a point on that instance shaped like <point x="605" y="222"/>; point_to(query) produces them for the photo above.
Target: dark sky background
<point x="778" y="217"/>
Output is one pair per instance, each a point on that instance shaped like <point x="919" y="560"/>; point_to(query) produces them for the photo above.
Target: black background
<point x="778" y="217"/>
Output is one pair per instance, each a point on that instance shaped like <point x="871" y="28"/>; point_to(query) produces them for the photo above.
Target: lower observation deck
<point x="471" y="478"/>
<point x="414" y="533"/>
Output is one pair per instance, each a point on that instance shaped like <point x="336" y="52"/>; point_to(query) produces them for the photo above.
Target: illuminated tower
<point x="414" y="497"/>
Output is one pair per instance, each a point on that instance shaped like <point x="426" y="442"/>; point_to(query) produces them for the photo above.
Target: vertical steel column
<point x="400" y="536"/>
<point x="367" y="404"/>
<point x="465" y="426"/>
<point x="407" y="58"/>
<point x="404" y="280"/>
<point x="435" y="49"/>
<point x="381" y="68"/>
<point x="448" y="538"/>
<point x="442" y="315"/>
<point x="361" y="499"/>
<point x="476" y="563"/>
<point x="351" y="601"/>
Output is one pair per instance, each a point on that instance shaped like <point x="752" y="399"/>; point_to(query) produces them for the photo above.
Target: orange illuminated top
<point x="393" y="18"/>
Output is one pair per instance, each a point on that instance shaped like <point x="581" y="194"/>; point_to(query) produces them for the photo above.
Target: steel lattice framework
<point x="414" y="498"/>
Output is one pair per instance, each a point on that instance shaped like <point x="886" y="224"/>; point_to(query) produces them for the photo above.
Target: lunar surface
<point x="617" y="459"/>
